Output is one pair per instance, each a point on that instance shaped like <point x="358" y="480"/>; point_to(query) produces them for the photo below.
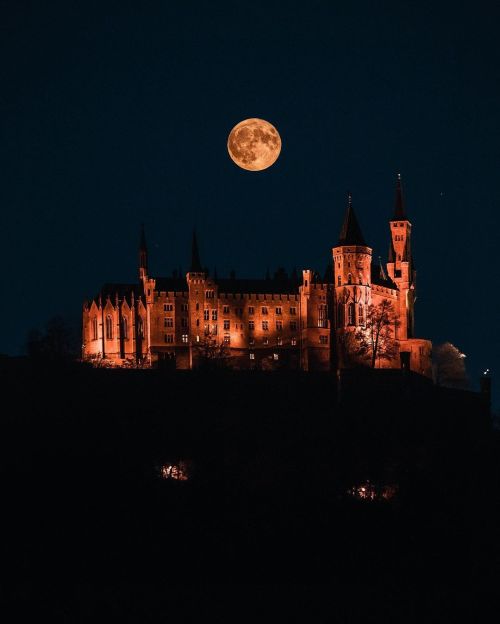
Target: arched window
<point x="361" y="316"/>
<point x="349" y="279"/>
<point x="109" y="328"/>
<point x="95" y="334"/>
<point x="140" y="327"/>
<point x="125" y="328"/>
<point x="350" y="314"/>
<point x="340" y="315"/>
<point x="339" y="281"/>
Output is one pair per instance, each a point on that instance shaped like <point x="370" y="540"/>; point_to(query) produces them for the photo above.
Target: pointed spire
<point x="143" y="251"/>
<point x="195" y="256"/>
<point x="399" y="207"/>
<point x="350" y="234"/>
<point x="382" y="271"/>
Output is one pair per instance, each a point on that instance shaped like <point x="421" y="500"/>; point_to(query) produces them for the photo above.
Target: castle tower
<point x="352" y="281"/>
<point x="400" y="265"/>
<point x="197" y="282"/>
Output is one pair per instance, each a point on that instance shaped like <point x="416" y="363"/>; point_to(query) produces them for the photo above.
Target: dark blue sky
<point x="115" y="113"/>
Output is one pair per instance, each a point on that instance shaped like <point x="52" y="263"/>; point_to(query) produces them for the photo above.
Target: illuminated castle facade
<point x="307" y="322"/>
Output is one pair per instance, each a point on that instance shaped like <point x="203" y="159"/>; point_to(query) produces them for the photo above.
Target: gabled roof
<point x="378" y="279"/>
<point x="124" y="292"/>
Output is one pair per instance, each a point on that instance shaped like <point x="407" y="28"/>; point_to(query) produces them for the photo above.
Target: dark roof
<point x="399" y="206"/>
<point x="258" y="286"/>
<point x="379" y="280"/>
<point x="171" y="284"/>
<point x="351" y="234"/>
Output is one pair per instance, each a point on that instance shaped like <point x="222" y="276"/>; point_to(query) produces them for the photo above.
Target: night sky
<point x="118" y="113"/>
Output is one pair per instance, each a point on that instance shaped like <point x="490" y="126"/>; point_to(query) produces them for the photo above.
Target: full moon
<point x="254" y="144"/>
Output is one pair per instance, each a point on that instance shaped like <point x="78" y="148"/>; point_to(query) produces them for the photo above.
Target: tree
<point x="59" y="342"/>
<point x="211" y="355"/>
<point x="376" y="340"/>
<point x="448" y="365"/>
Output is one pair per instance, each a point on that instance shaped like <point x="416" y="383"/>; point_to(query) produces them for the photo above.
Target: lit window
<point x="251" y="310"/>
<point x="339" y="281"/>
<point x="279" y="325"/>
<point x="263" y="310"/>
<point x="214" y="315"/>
<point x="293" y="325"/>
<point x="227" y="324"/>
<point x="251" y="356"/>
<point x="276" y="356"/>
<point x="293" y="310"/>
<point x="265" y="325"/>
<point x="251" y="341"/>
<point x="185" y="338"/>
<point x="323" y="315"/>
<point x="251" y="325"/>
<point x="168" y="307"/>
<point x="109" y="328"/>
<point x="265" y="341"/>
<point x="197" y="338"/>
<point x="206" y="315"/>
<point x="226" y="309"/>
<point x="209" y="294"/>
<point x="227" y="338"/>
<point x="169" y="338"/>
<point x="293" y="342"/>
<point x="323" y="339"/>
<point x="278" y="311"/>
<point x="279" y="341"/>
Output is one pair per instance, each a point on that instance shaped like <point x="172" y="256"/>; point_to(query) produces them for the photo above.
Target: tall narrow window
<point x="322" y="316"/>
<point x="140" y="327"/>
<point x="339" y="281"/>
<point x="95" y="334"/>
<point x="350" y="314"/>
<point x="109" y="328"/>
<point x="361" y="316"/>
<point x="349" y="279"/>
<point x="125" y="328"/>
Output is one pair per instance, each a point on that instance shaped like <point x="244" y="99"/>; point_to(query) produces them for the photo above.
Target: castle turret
<point x="400" y="265"/>
<point x="352" y="279"/>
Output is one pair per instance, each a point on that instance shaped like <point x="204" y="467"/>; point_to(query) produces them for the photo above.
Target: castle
<point x="358" y="312"/>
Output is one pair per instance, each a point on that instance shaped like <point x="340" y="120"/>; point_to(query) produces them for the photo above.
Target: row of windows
<point x="349" y="280"/>
<point x="399" y="237"/>
<point x="169" y="338"/>
<point x="109" y="328"/>
<point x="351" y="309"/>
<point x="168" y="307"/>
